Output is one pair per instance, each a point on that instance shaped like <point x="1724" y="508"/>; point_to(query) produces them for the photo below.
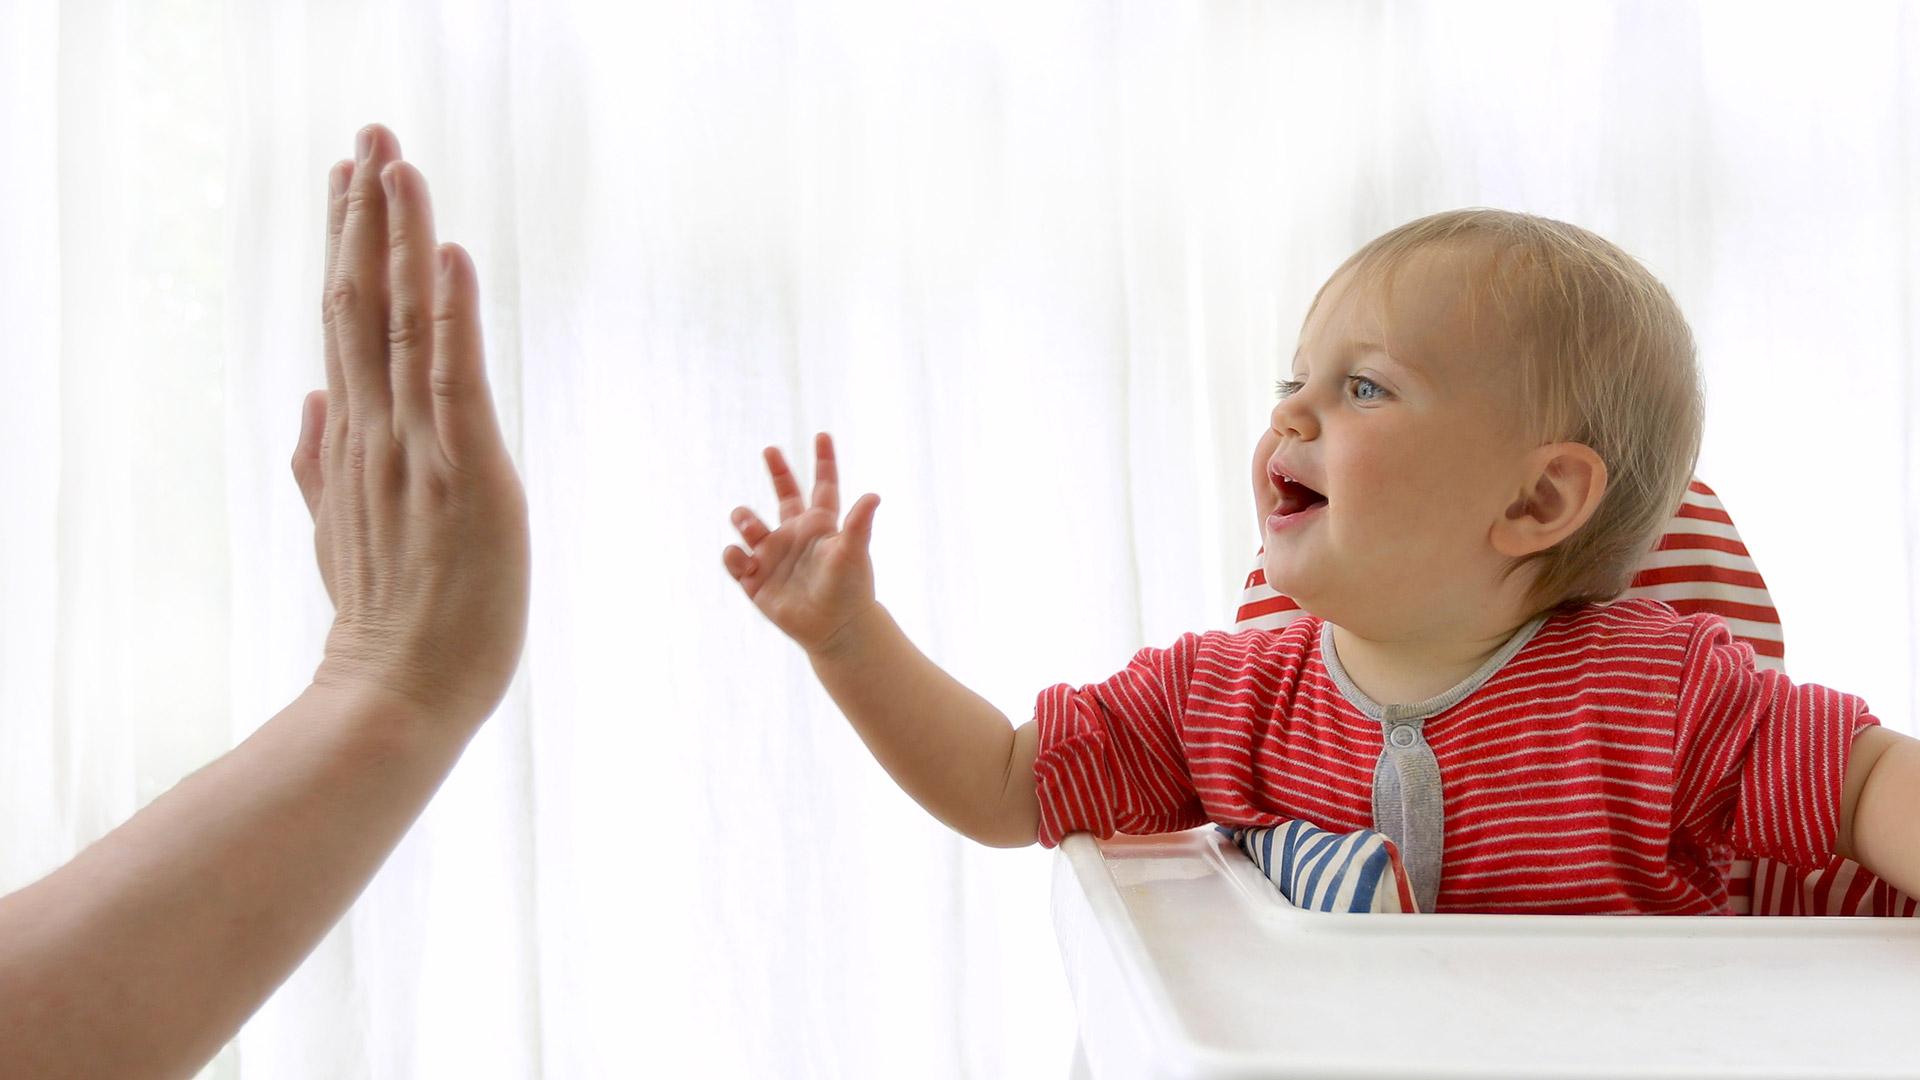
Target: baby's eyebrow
<point x="1351" y="351"/>
<point x="1366" y="348"/>
<point x="1401" y="365"/>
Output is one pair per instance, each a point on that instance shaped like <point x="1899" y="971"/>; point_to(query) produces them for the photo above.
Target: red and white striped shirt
<point x="1612" y="765"/>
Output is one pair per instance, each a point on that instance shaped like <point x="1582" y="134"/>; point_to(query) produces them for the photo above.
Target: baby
<point x="1489" y="420"/>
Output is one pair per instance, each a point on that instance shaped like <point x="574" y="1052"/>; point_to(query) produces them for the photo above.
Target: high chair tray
<point x="1185" y="962"/>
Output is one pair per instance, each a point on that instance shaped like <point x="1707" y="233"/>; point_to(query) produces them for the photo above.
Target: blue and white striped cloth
<point x="1325" y="871"/>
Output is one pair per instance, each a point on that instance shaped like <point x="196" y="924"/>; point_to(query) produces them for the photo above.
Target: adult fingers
<point x="826" y="475"/>
<point x="306" y="453"/>
<point x="462" y="402"/>
<point x="356" y="299"/>
<point x="337" y="180"/>
<point x="785" y="487"/>
<point x="413" y="260"/>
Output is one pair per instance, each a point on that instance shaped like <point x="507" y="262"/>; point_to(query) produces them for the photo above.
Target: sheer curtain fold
<point x="1907" y="216"/>
<point x="1036" y="268"/>
<point x="34" y="829"/>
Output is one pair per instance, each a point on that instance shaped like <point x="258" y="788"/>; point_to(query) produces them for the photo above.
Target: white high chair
<point x="1185" y="961"/>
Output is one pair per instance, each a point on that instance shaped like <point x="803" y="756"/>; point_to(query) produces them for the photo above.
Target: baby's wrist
<point x="849" y="637"/>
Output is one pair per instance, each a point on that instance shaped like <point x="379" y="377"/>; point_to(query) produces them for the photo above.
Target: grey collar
<point x="1433" y="705"/>
<point x="1409" y="803"/>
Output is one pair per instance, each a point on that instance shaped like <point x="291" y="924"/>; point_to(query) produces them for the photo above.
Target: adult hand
<point x="420" y="522"/>
<point x="809" y="576"/>
<point x="145" y="953"/>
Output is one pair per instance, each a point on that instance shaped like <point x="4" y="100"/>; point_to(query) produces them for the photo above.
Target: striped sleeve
<point x="1111" y="758"/>
<point x="1760" y="761"/>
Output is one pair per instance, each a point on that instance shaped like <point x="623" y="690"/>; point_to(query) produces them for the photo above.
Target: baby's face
<point x="1394" y="448"/>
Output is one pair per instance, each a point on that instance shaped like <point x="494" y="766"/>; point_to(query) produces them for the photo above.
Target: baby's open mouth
<point x="1296" y="496"/>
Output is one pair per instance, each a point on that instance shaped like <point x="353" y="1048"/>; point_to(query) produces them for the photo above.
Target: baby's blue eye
<point x="1365" y="389"/>
<point x="1286" y="388"/>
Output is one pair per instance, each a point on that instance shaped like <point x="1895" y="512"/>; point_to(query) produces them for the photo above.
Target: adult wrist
<point x="413" y="675"/>
<point x="391" y="702"/>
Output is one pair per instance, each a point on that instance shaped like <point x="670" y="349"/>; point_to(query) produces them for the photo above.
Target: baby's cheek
<point x="1447" y="495"/>
<point x="1404" y="489"/>
<point x="1382" y="475"/>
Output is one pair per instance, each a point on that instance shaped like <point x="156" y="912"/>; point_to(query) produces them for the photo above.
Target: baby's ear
<point x="1563" y="485"/>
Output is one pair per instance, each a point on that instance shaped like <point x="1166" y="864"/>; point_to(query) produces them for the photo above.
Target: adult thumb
<point x="306" y="453"/>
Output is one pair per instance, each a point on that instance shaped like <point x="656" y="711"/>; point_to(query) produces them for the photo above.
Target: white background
<point x="1036" y="265"/>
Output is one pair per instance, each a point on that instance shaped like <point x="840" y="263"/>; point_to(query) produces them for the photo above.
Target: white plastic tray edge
<point x="1123" y="1048"/>
<point x="1150" y="1045"/>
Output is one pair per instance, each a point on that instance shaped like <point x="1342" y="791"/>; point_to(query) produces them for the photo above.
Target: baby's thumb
<point x="860" y="519"/>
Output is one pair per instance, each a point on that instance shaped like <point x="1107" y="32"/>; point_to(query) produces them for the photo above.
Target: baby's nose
<point x="1290" y="416"/>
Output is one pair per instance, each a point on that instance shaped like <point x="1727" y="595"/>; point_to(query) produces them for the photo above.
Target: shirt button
<point x="1403" y="736"/>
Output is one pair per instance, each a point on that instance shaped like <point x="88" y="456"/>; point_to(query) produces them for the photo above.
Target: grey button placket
<point x="1407" y="806"/>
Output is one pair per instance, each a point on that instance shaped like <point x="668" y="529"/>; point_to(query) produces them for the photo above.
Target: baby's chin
<point x="1315" y="595"/>
<point x="1297" y="586"/>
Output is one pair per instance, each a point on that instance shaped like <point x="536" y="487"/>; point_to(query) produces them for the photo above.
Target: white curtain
<point x="1036" y="266"/>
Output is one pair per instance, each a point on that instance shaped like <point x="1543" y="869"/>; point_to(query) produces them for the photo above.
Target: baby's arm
<point x="1880" y="807"/>
<point x="957" y="755"/>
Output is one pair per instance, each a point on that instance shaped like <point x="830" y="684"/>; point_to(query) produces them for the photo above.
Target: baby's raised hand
<point x="810" y="576"/>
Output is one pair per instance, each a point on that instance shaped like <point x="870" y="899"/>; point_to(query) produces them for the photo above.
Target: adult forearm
<point x="946" y="746"/>
<point x="142" y="956"/>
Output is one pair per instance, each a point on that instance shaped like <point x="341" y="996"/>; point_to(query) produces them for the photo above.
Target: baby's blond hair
<point x="1602" y="356"/>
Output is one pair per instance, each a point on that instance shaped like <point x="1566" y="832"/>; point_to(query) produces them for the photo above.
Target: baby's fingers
<point x="826" y="475"/>
<point x="752" y="529"/>
<point x="738" y="563"/>
<point x="785" y="487"/>
<point x="859" y="527"/>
